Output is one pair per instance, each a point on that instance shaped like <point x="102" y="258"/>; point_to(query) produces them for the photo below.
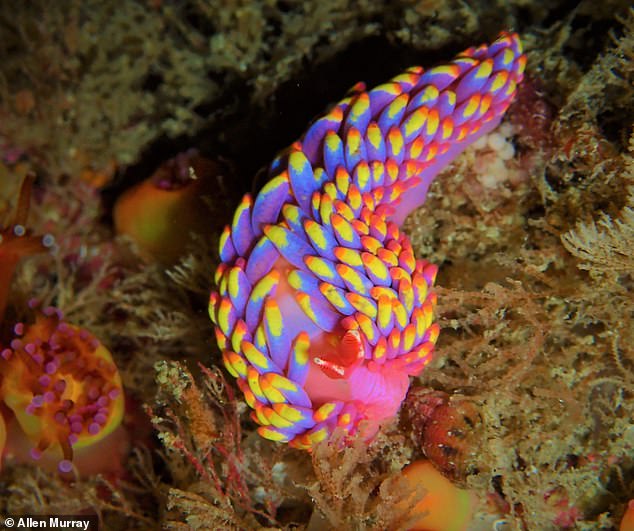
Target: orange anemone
<point x="62" y="386"/>
<point x="444" y="506"/>
<point x="627" y="524"/>
<point x="160" y="213"/>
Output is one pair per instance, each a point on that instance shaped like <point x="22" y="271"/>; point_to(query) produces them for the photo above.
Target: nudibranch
<point x="322" y="311"/>
<point x="17" y="242"/>
<point x="62" y="386"/>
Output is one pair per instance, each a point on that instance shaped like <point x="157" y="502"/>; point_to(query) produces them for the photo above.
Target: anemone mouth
<point x="176" y="173"/>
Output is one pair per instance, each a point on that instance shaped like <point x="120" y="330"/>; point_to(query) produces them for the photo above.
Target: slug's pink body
<point x="322" y="311"/>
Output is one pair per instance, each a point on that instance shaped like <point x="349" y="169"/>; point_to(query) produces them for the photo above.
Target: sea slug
<point x="322" y="311"/>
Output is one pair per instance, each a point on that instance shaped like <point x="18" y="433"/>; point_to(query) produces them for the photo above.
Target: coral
<point x="63" y="388"/>
<point x="31" y="490"/>
<point x="133" y="308"/>
<point x="538" y="344"/>
<point x="593" y="120"/>
<point x="163" y="70"/>
<point x="607" y="87"/>
<point x="222" y="476"/>
<point x="100" y="86"/>
<point x="323" y="311"/>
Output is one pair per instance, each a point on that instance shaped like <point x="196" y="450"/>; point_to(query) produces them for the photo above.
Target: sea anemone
<point x="160" y="213"/>
<point x="61" y="385"/>
<point x="627" y="523"/>
<point x="444" y="506"/>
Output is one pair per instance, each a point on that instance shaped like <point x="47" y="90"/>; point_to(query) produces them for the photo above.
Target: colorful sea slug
<point x="61" y="385"/>
<point x="322" y="311"/>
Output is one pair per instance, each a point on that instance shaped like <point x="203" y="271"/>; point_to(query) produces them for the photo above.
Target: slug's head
<point x="321" y="323"/>
<point x="340" y="360"/>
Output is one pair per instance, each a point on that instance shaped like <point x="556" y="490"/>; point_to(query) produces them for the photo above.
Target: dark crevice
<point x="250" y="134"/>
